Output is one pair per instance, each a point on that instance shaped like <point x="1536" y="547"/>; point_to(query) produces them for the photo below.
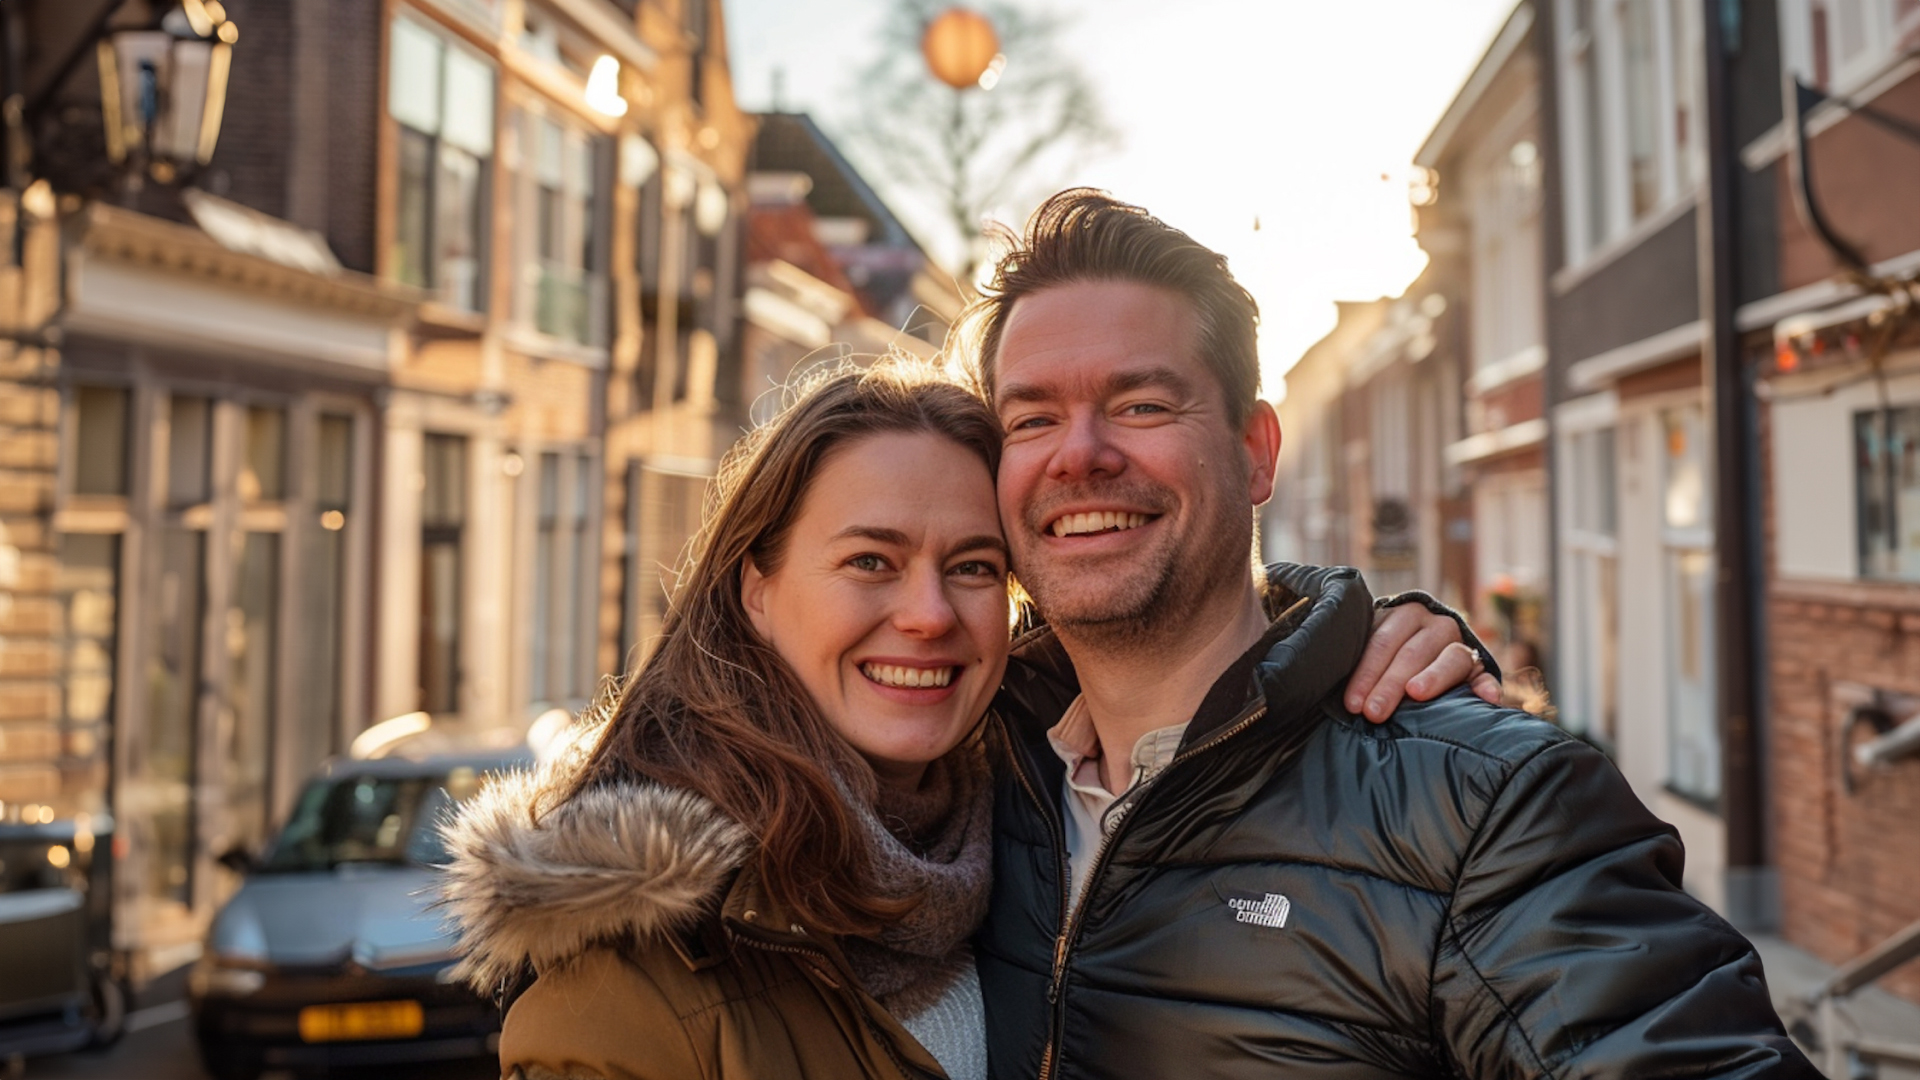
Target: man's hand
<point x="1414" y="653"/>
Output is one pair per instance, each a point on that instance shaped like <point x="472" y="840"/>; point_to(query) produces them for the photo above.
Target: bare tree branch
<point x="969" y="150"/>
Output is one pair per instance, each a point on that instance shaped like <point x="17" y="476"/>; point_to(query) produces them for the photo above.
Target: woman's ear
<point x="753" y="596"/>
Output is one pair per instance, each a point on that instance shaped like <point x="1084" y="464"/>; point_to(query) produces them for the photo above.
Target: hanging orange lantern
<point x="959" y="46"/>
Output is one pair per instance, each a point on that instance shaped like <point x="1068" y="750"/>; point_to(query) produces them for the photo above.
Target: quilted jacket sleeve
<point x="1570" y="950"/>
<point x="1309" y="580"/>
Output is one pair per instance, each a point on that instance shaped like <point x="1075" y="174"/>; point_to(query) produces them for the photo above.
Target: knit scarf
<point x="936" y="842"/>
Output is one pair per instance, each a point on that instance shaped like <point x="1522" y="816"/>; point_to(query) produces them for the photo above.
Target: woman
<point x="769" y="861"/>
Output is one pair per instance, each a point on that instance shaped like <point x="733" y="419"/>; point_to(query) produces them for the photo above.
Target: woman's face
<point x="891" y="598"/>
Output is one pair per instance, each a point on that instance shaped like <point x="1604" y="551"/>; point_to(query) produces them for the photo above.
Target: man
<point x="1207" y="863"/>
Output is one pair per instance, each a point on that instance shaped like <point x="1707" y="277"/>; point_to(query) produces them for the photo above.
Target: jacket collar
<point x="1321" y="619"/>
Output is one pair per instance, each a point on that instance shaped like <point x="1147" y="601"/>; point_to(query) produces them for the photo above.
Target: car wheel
<point x="109" y="1009"/>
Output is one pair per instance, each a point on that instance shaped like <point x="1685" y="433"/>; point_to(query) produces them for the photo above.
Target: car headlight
<point x="225" y="976"/>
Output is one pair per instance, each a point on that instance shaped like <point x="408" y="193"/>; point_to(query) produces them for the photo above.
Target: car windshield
<point x="369" y="819"/>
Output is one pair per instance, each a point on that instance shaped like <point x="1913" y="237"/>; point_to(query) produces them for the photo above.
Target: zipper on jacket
<point x="1070" y="929"/>
<point x="1056" y="839"/>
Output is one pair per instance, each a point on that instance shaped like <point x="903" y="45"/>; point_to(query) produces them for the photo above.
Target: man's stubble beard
<point x="1154" y="602"/>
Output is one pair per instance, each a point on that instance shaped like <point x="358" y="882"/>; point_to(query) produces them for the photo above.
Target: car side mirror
<point x="236" y="858"/>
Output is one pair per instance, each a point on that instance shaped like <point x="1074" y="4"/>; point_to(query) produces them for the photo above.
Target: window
<point x="324" y="601"/>
<point x="1693" y="743"/>
<point x="1887" y="485"/>
<point x="563" y="575"/>
<point x="663" y="512"/>
<point x="1590" y="667"/>
<point x="250" y="627"/>
<point x="562" y="287"/>
<point x="1629" y="72"/>
<point x="87" y="589"/>
<point x="583" y="579"/>
<point x="693" y="20"/>
<point x="1837" y="45"/>
<point x="442" y="521"/>
<point x="1507" y="315"/>
<point x="442" y="98"/>
<point x="87" y="593"/>
<point x="100" y="440"/>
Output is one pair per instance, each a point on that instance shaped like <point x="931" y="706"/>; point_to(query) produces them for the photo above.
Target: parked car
<point x="331" y="954"/>
<point x="61" y="990"/>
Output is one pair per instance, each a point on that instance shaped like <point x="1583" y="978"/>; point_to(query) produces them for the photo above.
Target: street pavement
<point x="159" y="1046"/>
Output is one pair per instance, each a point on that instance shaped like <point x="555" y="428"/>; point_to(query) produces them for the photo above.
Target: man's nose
<point x="1085" y="450"/>
<point x="924" y="609"/>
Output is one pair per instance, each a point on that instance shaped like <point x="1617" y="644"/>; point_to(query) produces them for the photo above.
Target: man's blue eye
<point x="867" y="562"/>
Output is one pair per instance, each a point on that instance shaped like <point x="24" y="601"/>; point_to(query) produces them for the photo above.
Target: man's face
<point x="1126" y="488"/>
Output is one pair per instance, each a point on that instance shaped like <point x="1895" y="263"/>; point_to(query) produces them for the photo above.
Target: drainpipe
<point x="1751" y="888"/>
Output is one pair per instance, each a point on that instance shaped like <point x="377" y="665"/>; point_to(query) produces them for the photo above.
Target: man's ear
<point x="753" y="596"/>
<point x="1262" y="441"/>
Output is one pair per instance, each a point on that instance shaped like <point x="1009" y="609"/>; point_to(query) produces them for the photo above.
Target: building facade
<point x="323" y="432"/>
<point x="1623" y="126"/>
<point x="1836" y="369"/>
<point x="1481" y="228"/>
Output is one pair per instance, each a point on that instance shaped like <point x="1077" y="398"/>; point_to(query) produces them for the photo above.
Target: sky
<point x="1303" y="114"/>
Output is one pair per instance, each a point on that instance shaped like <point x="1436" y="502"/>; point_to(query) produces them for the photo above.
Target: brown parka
<point x="656" y="953"/>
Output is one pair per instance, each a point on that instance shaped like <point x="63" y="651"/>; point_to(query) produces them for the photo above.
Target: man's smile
<point x="1098" y="521"/>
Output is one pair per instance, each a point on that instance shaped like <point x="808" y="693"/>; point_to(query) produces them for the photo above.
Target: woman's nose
<point x="925" y="609"/>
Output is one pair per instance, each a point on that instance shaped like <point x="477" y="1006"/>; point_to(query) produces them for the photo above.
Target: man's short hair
<point x="1085" y="235"/>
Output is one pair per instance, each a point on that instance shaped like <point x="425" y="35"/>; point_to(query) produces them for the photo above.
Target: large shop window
<point x="442" y="523"/>
<point x="561" y="202"/>
<point x="442" y="97"/>
<point x="1693" y="743"/>
<point x="1887" y="482"/>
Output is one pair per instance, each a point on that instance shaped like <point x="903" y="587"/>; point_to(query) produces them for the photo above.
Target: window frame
<point x="583" y="148"/>
<point x="1594" y="59"/>
<point x="1585" y="628"/>
<point x="1883" y="473"/>
<point x="1680" y="543"/>
<point x="432" y="273"/>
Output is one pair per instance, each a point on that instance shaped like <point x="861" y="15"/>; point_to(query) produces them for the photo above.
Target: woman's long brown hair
<point x="715" y="710"/>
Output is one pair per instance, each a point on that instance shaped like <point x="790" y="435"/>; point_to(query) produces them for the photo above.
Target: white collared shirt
<point x="1086" y="802"/>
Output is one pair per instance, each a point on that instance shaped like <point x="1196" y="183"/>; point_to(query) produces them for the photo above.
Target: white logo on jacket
<point x="1271" y="911"/>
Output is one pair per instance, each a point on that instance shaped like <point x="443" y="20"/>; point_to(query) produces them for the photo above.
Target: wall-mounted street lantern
<point x="163" y="90"/>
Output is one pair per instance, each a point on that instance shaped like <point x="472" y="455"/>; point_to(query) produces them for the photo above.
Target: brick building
<point x="341" y="424"/>
<point x="1837" y="371"/>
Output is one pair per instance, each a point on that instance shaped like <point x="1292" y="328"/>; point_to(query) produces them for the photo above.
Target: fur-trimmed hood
<point x="534" y="879"/>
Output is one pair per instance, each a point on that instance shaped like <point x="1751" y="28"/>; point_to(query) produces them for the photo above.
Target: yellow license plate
<point x="362" y="1020"/>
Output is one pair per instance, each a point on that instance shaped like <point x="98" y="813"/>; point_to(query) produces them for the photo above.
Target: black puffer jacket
<point x="1463" y="891"/>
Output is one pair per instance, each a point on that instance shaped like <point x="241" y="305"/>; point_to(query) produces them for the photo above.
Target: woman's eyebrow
<point x="877" y="533"/>
<point x="990" y="541"/>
